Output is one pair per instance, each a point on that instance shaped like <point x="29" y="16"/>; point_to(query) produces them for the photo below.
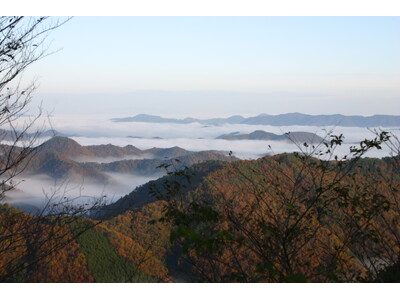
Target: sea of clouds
<point x="97" y="130"/>
<point x="31" y="193"/>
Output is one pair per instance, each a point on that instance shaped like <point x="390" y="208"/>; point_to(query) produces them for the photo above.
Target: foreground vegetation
<point x="283" y="218"/>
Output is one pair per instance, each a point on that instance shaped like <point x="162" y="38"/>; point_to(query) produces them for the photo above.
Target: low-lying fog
<point x="34" y="191"/>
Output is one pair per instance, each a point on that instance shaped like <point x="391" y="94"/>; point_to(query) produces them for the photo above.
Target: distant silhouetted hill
<point x="279" y="120"/>
<point x="296" y="137"/>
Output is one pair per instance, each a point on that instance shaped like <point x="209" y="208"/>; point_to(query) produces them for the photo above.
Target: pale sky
<point x="222" y="65"/>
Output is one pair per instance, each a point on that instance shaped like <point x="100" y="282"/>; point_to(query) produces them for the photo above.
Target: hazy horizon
<point x="221" y="66"/>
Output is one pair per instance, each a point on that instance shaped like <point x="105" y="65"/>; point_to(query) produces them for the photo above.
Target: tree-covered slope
<point x="64" y="249"/>
<point x="282" y="218"/>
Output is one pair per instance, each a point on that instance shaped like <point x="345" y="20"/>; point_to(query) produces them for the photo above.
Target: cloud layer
<point x="35" y="191"/>
<point x="99" y="129"/>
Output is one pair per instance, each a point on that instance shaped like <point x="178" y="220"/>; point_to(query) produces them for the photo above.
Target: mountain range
<point x="61" y="157"/>
<point x="288" y="119"/>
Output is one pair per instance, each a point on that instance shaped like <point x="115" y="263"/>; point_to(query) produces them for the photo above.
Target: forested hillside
<point x="34" y="249"/>
<point x="282" y="218"/>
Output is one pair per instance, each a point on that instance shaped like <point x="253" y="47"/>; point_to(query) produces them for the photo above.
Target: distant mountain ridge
<point x="288" y="119"/>
<point x="156" y="119"/>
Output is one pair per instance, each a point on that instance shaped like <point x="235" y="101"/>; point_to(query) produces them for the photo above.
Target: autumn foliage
<point x="290" y="218"/>
<point x="38" y="251"/>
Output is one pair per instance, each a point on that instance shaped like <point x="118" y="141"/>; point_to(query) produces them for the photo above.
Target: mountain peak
<point x="65" y="146"/>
